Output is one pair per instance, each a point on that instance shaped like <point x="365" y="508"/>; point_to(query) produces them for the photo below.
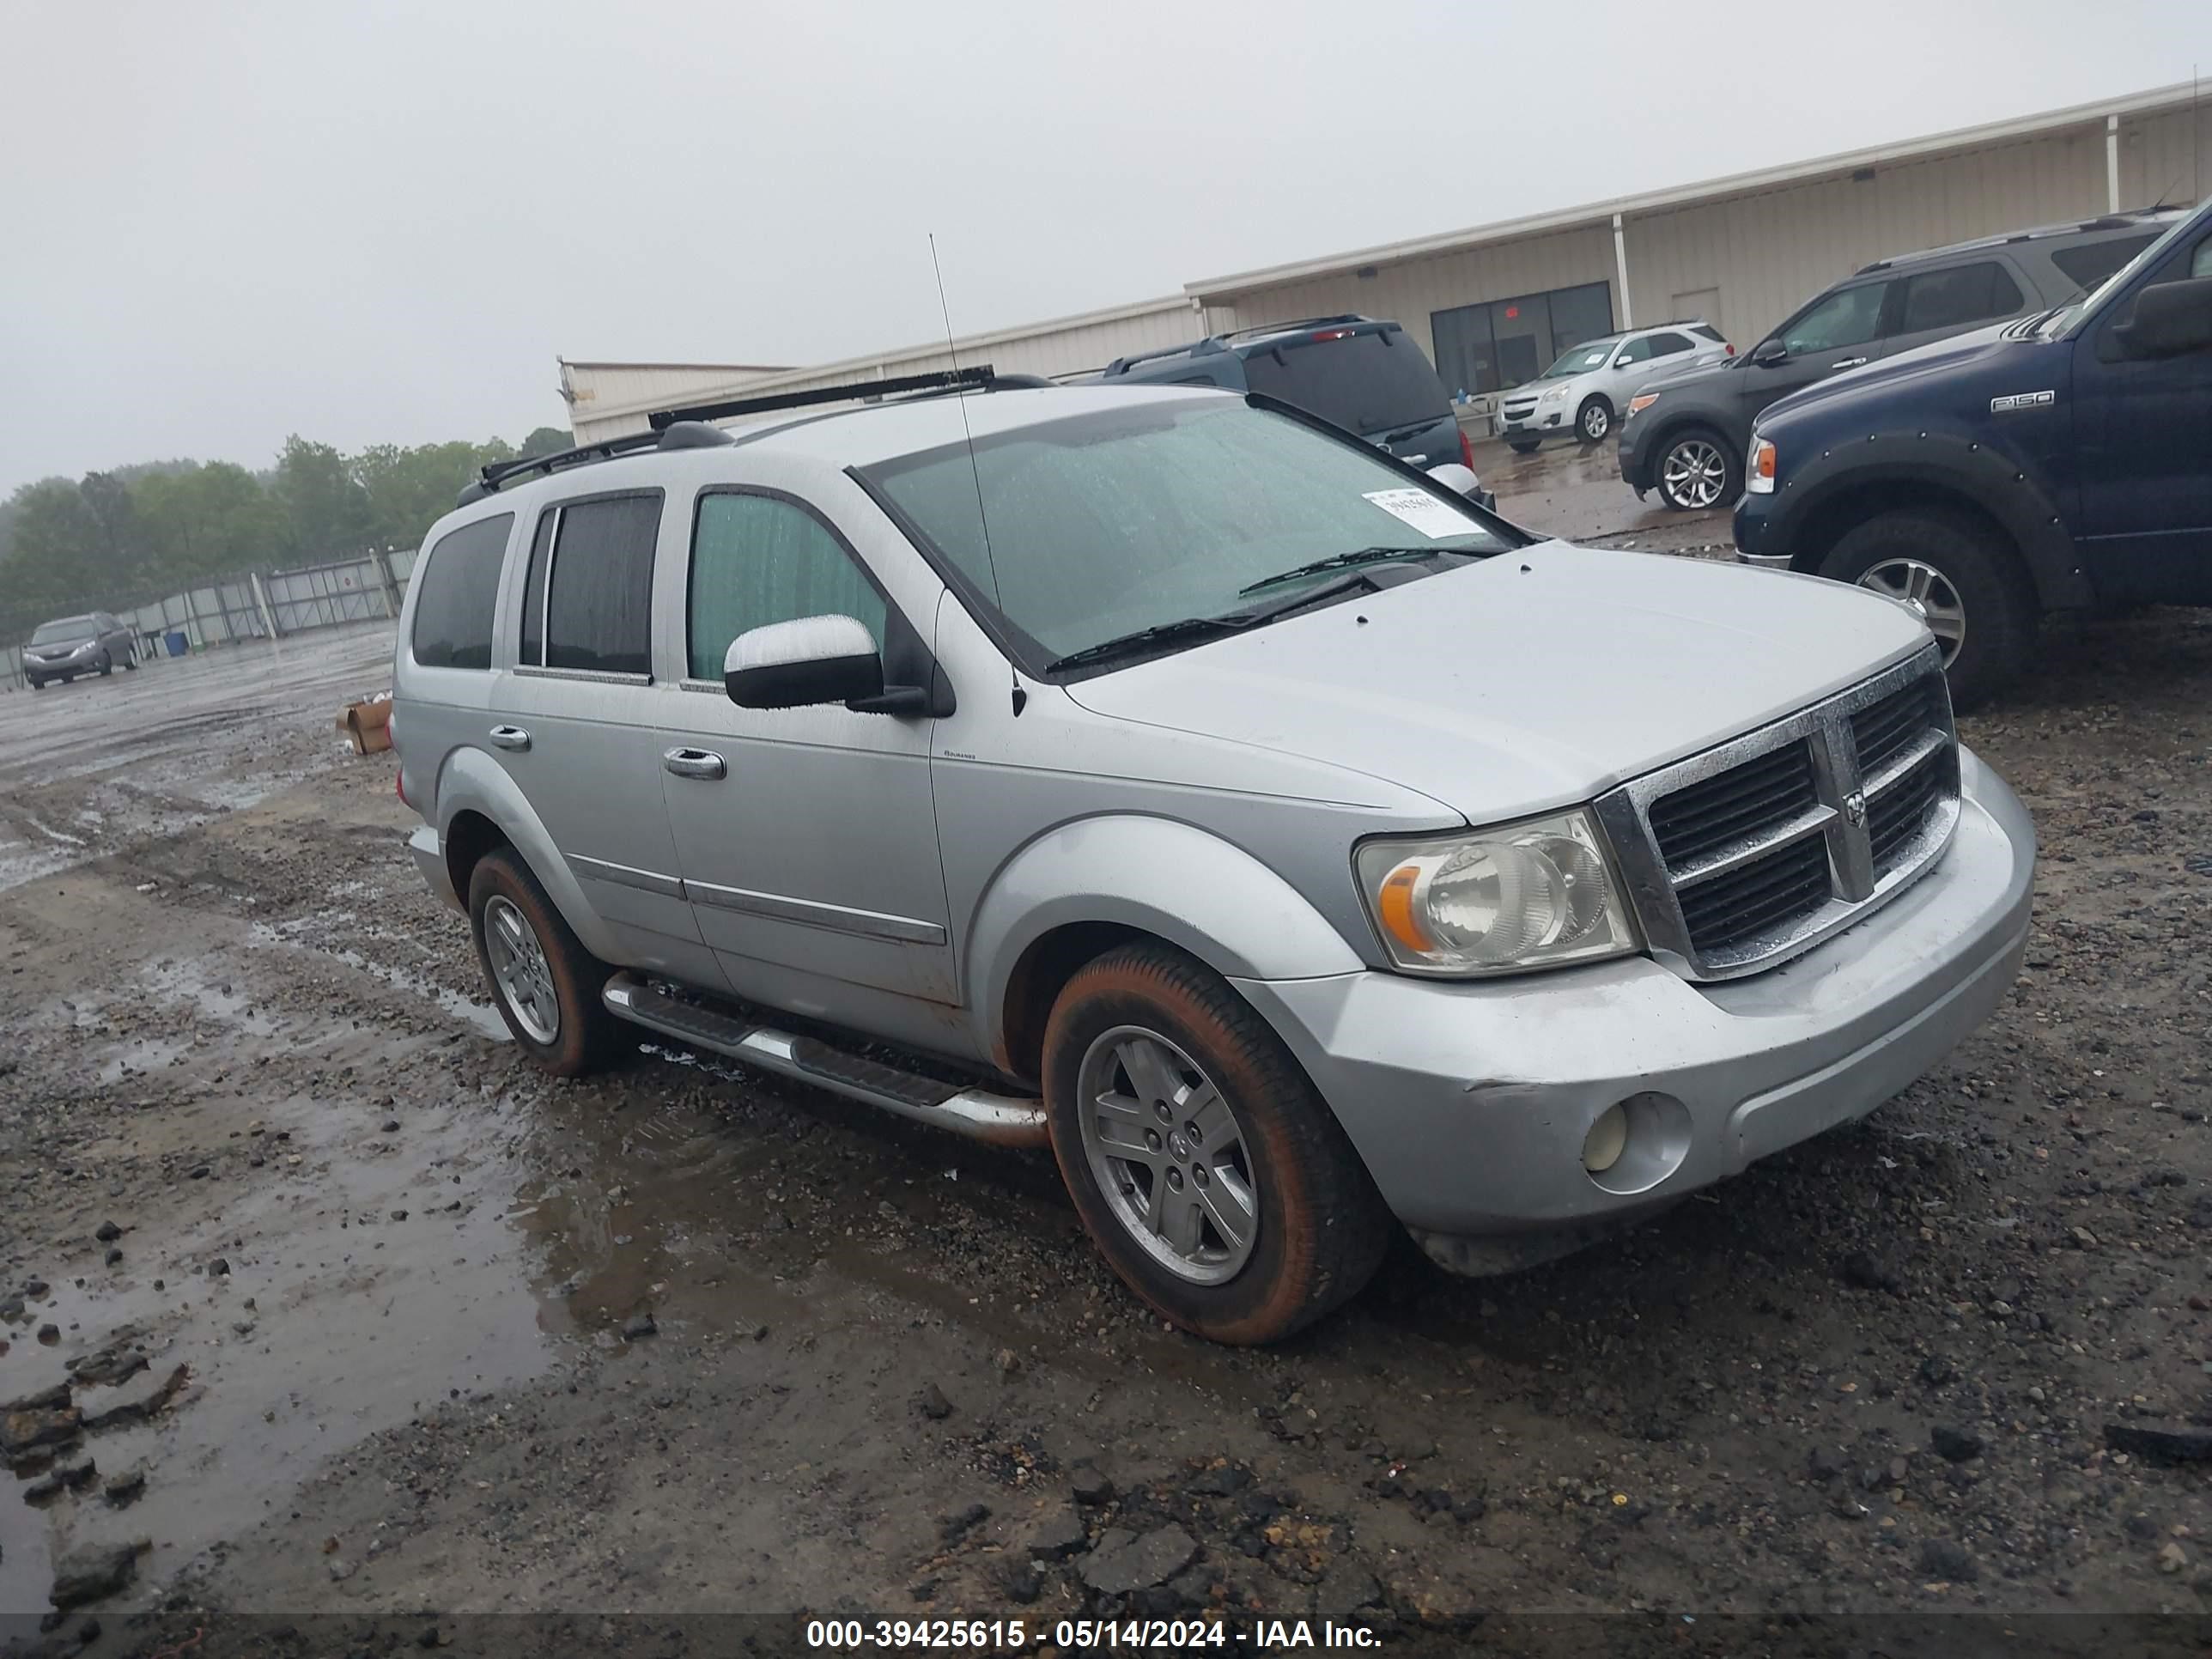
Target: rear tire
<point x="130" y="661"/>
<point x="545" y="984"/>
<point x="1145" y="1040"/>
<point x="1522" y="446"/>
<point x="1684" y="470"/>
<point x="107" y="666"/>
<point x="1963" y="578"/>
<point x="1593" y="419"/>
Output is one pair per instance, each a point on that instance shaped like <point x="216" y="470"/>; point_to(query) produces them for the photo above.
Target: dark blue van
<point x="2061" y="461"/>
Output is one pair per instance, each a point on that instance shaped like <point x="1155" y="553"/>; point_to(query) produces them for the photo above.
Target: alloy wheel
<point x="1168" y="1155"/>
<point x="1693" y="473"/>
<point x="1595" y="422"/>
<point x="1929" y="593"/>
<point x="518" y="967"/>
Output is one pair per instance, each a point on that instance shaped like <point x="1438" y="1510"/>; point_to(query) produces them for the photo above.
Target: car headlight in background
<point x="1556" y="394"/>
<point x="1537" y="893"/>
<point x="1642" y="401"/>
<point x="1759" y="471"/>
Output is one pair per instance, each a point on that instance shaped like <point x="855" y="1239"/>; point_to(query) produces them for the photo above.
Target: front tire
<point x="1696" y="469"/>
<point x="1522" y="446"/>
<point x="1961" y="577"/>
<point x="107" y="666"/>
<point x="1205" y="1166"/>
<point x="545" y="983"/>
<point x="130" y="661"/>
<point x="1594" y="419"/>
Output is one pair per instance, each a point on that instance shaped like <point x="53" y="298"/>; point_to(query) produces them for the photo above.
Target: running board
<point x="1002" y="1119"/>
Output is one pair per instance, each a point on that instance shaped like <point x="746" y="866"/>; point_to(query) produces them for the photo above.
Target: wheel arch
<point x="479" y="808"/>
<point x="1083" y="888"/>
<point x="1845" y="489"/>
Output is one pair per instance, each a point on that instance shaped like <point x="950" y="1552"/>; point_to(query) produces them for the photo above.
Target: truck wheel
<point x="1698" y="469"/>
<point x="547" y="985"/>
<point x="1960" y="578"/>
<point x="1206" y="1169"/>
<point x="1594" y="419"/>
<point x="1522" y="446"/>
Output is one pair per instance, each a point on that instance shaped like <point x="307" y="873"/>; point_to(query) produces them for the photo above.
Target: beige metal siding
<point x="2166" y="158"/>
<point x="1411" y="291"/>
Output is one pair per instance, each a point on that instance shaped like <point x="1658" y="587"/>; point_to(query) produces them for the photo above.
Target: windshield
<point x="1366" y="382"/>
<point x="69" y="627"/>
<point x="1133" y="517"/>
<point x="2070" y="316"/>
<point x="1591" y="354"/>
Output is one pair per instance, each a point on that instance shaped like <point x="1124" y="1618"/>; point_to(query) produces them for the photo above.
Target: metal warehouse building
<point x="1493" y="305"/>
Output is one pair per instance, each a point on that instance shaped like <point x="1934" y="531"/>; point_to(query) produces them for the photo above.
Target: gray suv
<point x="95" y="643"/>
<point x="1168" y="779"/>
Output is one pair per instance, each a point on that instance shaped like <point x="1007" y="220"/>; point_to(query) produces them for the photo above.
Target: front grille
<point x="1898" y="814"/>
<point x="1770" y="889"/>
<point x="1519" y="411"/>
<point x="1747" y="801"/>
<point x="1755" y="850"/>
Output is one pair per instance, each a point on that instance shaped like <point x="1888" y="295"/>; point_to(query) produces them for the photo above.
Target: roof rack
<point x="489" y="478"/>
<point x="939" y="380"/>
<point x="1293" y="325"/>
<point x="1214" y="343"/>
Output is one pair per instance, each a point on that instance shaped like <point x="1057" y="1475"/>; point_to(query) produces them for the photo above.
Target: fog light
<point x="1607" y="1140"/>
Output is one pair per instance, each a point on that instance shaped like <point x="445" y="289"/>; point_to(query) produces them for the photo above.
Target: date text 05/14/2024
<point x="1013" y="1635"/>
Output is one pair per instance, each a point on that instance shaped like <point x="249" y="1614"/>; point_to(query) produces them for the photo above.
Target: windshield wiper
<point x="1191" y="629"/>
<point x="1342" y="560"/>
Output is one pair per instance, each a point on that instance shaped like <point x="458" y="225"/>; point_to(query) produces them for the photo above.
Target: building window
<point x="1502" y="343"/>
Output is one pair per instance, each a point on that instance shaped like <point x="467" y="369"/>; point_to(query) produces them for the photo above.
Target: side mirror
<point x="2170" y="319"/>
<point x="1463" y="482"/>
<point x="803" y="663"/>
<point x="1767" y="353"/>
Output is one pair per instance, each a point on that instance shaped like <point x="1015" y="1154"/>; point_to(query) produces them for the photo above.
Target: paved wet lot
<point x="457" y="1337"/>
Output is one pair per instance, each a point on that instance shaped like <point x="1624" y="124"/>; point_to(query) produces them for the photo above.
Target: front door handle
<point x="695" y="763"/>
<point x="510" y="737"/>
<point x="1848" y="362"/>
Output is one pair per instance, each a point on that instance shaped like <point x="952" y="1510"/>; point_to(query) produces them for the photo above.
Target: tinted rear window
<point x="598" y="605"/>
<point x="1959" y="297"/>
<point x="460" y="590"/>
<point x="1366" y="383"/>
<point x="2092" y="262"/>
<point x="1712" y="334"/>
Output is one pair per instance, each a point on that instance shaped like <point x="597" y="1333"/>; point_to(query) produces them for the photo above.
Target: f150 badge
<point x="2022" y="400"/>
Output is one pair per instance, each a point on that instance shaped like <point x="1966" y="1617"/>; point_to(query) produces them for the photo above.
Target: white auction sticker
<point x="1432" y="518"/>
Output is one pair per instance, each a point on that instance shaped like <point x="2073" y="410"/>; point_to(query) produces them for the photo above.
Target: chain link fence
<point x="257" y="604"/>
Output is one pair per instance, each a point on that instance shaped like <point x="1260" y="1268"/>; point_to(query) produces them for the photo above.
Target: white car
<point x="1583" y="394"/>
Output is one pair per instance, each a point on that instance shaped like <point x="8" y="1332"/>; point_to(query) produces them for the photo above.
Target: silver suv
<point x="1585" y="395"/>
<point x="1169" y="778"/>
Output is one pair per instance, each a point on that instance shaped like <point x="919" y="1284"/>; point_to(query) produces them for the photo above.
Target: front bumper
<point x="1552" y="420"/>
<point x="1470" y="1102"/>
<point x="430" y="859"/>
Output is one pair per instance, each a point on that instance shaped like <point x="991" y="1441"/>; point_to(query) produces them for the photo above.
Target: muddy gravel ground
<point x="331" y="1325"/>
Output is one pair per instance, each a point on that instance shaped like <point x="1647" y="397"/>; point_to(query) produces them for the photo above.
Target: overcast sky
<point x="382" y="223"/>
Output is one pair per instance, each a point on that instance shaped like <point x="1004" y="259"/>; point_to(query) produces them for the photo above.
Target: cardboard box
<point x="368" y="725"/>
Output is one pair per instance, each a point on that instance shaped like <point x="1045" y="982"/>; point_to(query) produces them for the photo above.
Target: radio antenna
<point x="975" y="468"/>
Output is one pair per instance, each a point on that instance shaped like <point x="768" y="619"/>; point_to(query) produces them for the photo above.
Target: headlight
<point x="1536" y="894"/>
<point x="1759" y="474"/>
<point x="1555" y="395"/>
<point x="1642" y="401"/>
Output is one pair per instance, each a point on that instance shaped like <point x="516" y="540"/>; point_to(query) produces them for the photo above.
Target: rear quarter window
<point x="460" y="594"/>
<point x="2090" y="263"/>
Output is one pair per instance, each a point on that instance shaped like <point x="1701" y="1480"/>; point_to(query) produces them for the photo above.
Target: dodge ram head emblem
<point x="1855" y="809"/>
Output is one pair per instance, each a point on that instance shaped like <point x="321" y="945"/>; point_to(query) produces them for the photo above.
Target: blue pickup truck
<point x="2061" y="461"/>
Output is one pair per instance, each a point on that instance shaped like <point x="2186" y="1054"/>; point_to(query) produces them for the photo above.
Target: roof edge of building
<point x="2153" y="99"/>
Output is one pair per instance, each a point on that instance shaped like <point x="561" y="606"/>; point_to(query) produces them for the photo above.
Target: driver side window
<point x="1849" y="317"/>
<point x="757" y="560"/>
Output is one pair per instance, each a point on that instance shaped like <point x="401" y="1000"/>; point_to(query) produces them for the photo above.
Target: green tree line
<point x="115" y="539"/>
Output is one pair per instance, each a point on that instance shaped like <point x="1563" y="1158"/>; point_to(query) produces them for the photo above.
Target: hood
<point x="1960" y="354"/>
<point x="1535" y="679"/>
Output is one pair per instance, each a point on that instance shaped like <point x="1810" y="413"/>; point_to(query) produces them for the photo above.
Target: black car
<point x="2060" y="462"/>
<point x="1686" y="437"/>
<point x="1367" y="376"/>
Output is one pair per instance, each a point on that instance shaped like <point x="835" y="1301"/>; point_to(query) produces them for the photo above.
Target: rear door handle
<point x="695" y="763"/>
<point x="510" y="737"/>
<point x="1848" y="362"/>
